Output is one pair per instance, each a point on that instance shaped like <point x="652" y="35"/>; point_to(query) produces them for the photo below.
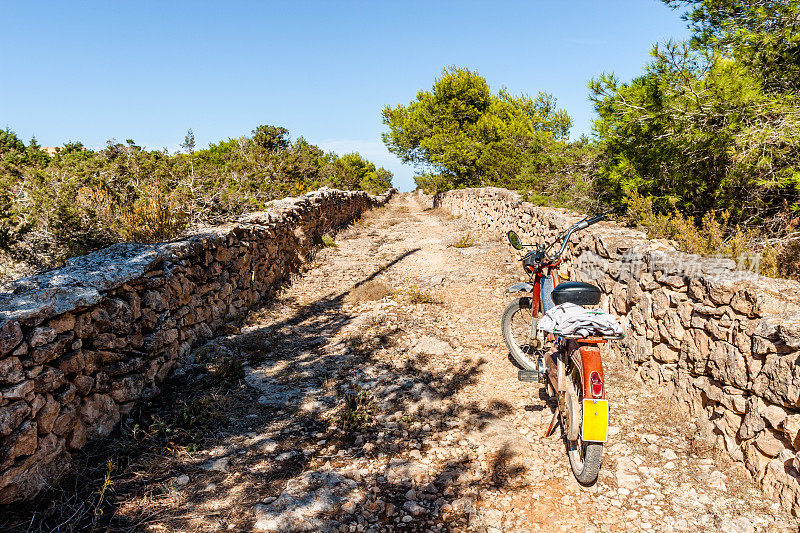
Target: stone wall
<point x="80" y="345"/>
<point x="721" y="342"/>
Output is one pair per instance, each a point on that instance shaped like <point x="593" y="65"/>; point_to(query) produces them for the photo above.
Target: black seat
<point x="576" y="292"/>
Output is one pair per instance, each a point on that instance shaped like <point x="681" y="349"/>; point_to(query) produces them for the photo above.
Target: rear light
<point x="596" y="384"/>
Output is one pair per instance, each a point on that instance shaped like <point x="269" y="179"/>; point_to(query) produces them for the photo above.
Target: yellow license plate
<point x="595" y="420"/>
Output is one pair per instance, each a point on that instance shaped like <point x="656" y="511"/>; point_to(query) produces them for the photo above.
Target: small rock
<point x="414" y="508"/>
<point x="717" y="481"/>
<point x="267" y="445"/>
<point x="493" y="518"/>
<point x="626" y="475"/>
<point x="217" y="465"/>
<point x="769" y="444"/>
<point x="431" y="346"/>
<point x="736" y="525"/>
<point x="41" y="336"/>
<point x="182" y="480"/>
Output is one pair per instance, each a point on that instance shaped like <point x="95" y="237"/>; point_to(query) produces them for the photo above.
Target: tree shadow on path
<point x="260" y="427"/>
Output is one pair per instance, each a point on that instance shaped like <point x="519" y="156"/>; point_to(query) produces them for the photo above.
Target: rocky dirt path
<point x="377" y="395"/>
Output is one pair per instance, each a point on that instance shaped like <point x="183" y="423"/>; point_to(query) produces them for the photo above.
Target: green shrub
<point x="356" y="409"/>
<point x="79" y="200"/>
<point x="328" y="241"/>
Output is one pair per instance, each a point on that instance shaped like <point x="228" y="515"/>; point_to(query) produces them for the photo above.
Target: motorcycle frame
<point x="583" y="353"/>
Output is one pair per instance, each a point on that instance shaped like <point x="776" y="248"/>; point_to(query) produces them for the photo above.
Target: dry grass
<point x="368" y="292"/>
<point x="371" y="217"/>
<point x="441" y="213"/>
<point x="416" y="295"/>
<point x="227" y="369"/>
<point x="716" y="236"/>
<point x="158" y="215"/>
<point x="781" y="260"/>
<point x="465" y="241"/>
<point x="389" y="222"/>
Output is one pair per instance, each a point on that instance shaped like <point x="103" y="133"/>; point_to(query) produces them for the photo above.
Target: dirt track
<point x="404" y="413"/>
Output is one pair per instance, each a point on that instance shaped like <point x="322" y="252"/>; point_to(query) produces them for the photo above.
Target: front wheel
<point x="585" y="457"/>
<point x="520" y="334"/>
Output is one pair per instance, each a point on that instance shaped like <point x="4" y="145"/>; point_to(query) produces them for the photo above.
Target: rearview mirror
<point x="513" y="238"/>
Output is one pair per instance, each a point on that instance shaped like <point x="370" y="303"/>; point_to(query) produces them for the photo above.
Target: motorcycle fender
<point x="595" y="408"/>
<point x="591" y="362"/>
<point x="521" y="287"/>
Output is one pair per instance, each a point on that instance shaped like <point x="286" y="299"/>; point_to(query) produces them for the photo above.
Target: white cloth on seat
<point x="571" y="319"/>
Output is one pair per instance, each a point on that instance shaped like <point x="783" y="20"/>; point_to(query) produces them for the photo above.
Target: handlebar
<point x="597" y="218"/>
<point x="586" y="222"/>
<point x="583" y="224"/>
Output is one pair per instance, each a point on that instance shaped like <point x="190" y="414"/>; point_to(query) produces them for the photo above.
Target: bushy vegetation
<point x="703" y="148"/>
<point x="707" y="127"/>
<point x="709" y="134"/>
<point x="54" y="206"/>
<point x="461" y="134"/>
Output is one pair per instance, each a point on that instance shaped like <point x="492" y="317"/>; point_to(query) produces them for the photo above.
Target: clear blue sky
<point x="91" y="71"/>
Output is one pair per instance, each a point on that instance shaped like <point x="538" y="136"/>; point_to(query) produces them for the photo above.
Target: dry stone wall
<point x="721" y="342"/>
<point x="80" y="345"/>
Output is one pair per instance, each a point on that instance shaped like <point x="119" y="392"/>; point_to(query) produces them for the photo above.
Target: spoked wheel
<point x="518" y="323"/>
<point x="585" y="458"/>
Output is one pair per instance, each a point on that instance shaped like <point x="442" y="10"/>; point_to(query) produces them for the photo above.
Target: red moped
<point x="570" y="367"/>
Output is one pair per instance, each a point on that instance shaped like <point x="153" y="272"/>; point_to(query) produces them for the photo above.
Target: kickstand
<point x="552" y="425"/>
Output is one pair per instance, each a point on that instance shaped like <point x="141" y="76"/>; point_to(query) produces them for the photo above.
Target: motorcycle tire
<point x="516" y="326"/>
<point x="585" y="458"/>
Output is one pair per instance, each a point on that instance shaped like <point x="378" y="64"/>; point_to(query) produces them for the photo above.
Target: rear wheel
<point x="585" y="457"/>
<point x="518" y="322"/>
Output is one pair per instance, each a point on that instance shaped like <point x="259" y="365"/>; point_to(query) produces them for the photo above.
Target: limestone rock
<point x="769" y="444"/>
<point x="10" y="335"/>
<point x="12" y="415"/>
<point x="752" y="422"/>
<point x="11" y="370"/>
<point x="736" y="525"/>
<point x="626" y="474"/>
<point x="47" y="415"/>
<point x="791" y="428"/>
<point x="431" y="346"/>
<point x="18" y="391"/>
<point x="63" y="323"/>
<point x="42" y="336"/>
<point x="414" y="509"/>
<point x="665" y="353"/>
<point x="773" y="414"/>
<point x="402" y="472"/>
<point x="306" y="503"/>
<point x="221" y="464"/>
